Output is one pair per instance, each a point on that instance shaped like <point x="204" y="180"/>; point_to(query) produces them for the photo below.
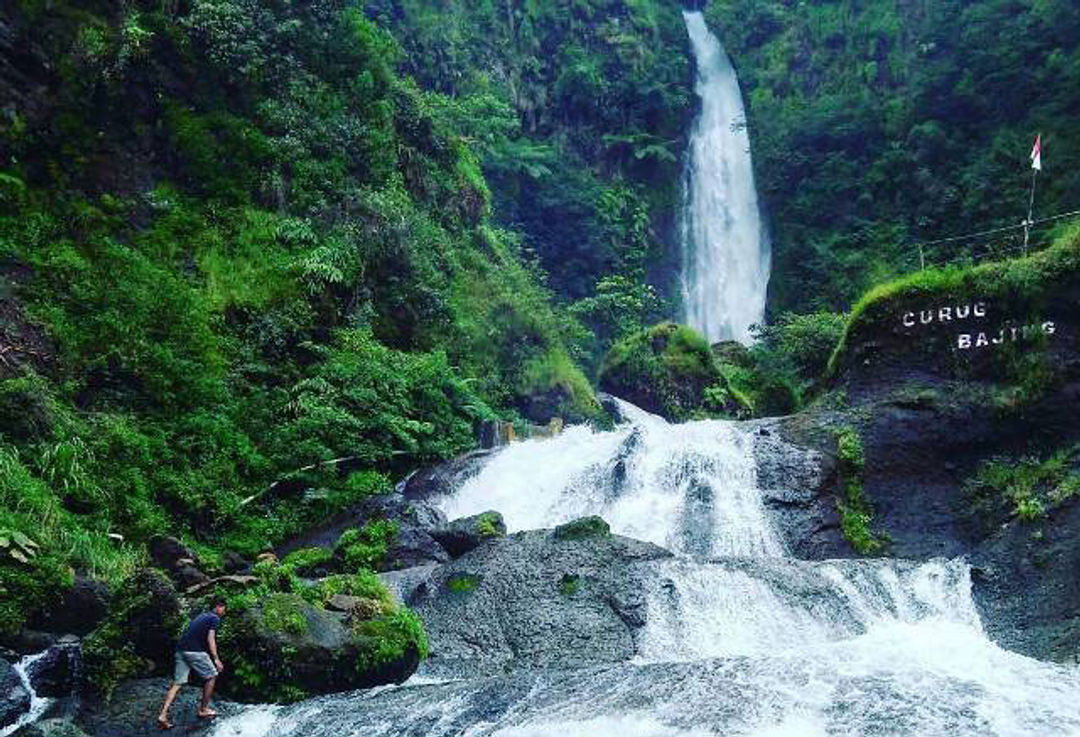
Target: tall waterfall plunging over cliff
<point x="724" y="244"/>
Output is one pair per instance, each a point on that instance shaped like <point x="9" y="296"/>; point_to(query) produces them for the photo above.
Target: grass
<point x="1028" y="487"/>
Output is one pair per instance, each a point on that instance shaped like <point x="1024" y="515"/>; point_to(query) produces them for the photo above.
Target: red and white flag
<point x="1036" y="153"/>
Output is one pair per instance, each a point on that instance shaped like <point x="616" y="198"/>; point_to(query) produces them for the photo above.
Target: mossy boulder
<point x="551" y="385"/>
<point x="583" y="529"/>
<point x="137" y="638"/>
<point x="1008" y="322"/>
<point x="668" y="370"/>
<point x="290" y="639"/>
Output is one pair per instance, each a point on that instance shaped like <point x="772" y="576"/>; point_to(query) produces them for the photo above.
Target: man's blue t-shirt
<point x="195" y="635"/>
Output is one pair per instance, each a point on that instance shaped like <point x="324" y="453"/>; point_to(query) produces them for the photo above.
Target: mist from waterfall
<point x="725" y="248"/>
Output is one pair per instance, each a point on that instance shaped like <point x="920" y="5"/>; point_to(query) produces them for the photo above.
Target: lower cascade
<point x="739" y="638"/>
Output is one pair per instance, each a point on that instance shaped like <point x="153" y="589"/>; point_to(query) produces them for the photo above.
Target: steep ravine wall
<point x="940" y="374"/>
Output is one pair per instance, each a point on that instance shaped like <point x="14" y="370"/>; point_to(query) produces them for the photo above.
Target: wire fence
<point x="994" y="244"/>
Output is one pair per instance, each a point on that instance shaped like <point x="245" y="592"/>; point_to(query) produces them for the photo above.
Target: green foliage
<point x="232" y="353"/>
<point x="569" y="584"/>
<point x="306" y="560"/>
<point x="579" y="132"/>
<point x="664" y="369"/>
<point x="280" y="613"/>
<point x="877" y="125"/>
<point x="393" y="635"/>
<point x="486" y="526"/>
<point x="139" y="631"/>
<point x="856" y="514"/>
<point x="363" y="583"/>
<point x="1028" y="487"/>
<point x="366" y="547"/>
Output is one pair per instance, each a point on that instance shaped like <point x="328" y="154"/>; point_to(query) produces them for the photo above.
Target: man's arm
<point x="211" y="640"/>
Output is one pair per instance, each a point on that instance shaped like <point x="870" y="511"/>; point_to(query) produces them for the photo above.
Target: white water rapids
<point x="740" y="639"/>
<point x="724" y="244"/>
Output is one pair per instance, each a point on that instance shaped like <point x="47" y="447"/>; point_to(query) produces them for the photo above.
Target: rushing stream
<point x="740" y="639"/>
<point x="725" y="247"/>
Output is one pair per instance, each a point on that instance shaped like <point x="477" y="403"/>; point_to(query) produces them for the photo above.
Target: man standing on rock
<point x="196" y="651"/>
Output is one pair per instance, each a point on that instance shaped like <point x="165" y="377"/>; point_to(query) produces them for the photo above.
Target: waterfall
<point x="739" y="638"/>
<point x="725" y="248"/>
<point x="691" y="488"/>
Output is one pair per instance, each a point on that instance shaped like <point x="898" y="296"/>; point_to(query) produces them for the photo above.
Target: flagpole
<point x="1031" y="209"/>
<point x="1036" y="165"/>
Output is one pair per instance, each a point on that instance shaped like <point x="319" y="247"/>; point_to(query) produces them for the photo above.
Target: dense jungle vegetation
<point x="236" y="242"/>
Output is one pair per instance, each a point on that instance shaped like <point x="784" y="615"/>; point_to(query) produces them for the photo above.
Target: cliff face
<point x="963" y="388"/>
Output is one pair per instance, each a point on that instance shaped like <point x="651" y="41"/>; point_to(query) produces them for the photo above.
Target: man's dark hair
<point x="219" y="602"/>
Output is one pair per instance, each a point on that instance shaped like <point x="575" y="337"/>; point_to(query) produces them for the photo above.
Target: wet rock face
<point x="51" y="728"/>
<point x="133" y="707"/>
<point x="434" y="482"/>
<point x="798" y="484"/>
<point x="1027" y="586"/>
<point x="14" y="698"/>
<point x="54" y="675"/>
<point x="532" y="600"/>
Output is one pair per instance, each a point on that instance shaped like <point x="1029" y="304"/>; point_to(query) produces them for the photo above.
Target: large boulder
<point x="666" y="370"/>
<point x="78" y="610"/>
<point x="54" y="674"/>
<point x="138" y="636"/>
<point x="799" y="486"/>
<point x="1026" y="584"/>
<point x="133" y="707"/>
<point x="14" y="698"/>
<point x="532" y="599"/>
<point x="462" y="535"/>
<point x="286" y="648"/>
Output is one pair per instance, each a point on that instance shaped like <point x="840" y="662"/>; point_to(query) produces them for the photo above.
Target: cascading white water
<point x="725" y="247"/>
<point x="691" y="488"/>
<point x="739" y="640"/>
<point x="38" y="704"/>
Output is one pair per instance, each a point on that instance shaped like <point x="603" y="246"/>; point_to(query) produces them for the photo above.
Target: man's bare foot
<point x="207" y="713"/>
<point x="163" y="723"/>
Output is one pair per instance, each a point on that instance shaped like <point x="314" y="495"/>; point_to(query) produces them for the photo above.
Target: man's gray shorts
<point x="198" y="661"/>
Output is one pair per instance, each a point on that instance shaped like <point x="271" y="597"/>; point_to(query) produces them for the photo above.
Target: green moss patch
<point x="856" y="513"/>
<point x="463" y="583"/>
<point x="585" y="528"/>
